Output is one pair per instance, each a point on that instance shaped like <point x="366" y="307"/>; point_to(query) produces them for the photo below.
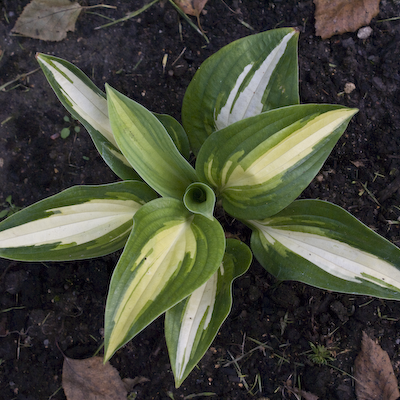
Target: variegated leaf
<point x="321" y="244"/>
<point x="146" y="144"/>
<point x="263" y="75"/>
<point x="170" y="253"/>
<point x="78" y="223"/>
<point x="260" y="165"/>
<point x="191" y="326"/>
<point x="176" y="132"/>
<point x="85" y="102"/>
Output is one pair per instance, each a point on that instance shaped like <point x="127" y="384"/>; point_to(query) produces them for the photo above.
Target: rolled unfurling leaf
<point x="200" y="199"/>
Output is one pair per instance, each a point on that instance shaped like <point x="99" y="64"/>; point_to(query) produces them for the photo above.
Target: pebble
<point x="378" y="83"/>
<point x="180" y="67"/>
<point x="340" y="310"/>
<point x="349" y="87"/>
<point x="254" y="293"/>
<point x="364" y="33"/>
<point x="285" y="297"/>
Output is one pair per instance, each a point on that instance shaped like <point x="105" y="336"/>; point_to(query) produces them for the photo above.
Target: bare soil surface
<point x="47" y="309"/>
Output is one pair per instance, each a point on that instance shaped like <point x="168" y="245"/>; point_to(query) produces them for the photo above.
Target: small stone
<point x="285" y="297"/>
<point x="171" y="18"/>
<point x="364" y="33"/>
<point x="14" y="281"/>
<point x="378" y="83"/>
<point x="348" y="43"/>
<point x="180" y="67"/>
<point x="254" y="293"/>
<point x="340" y="310"/>
<point x="349" y="87"/>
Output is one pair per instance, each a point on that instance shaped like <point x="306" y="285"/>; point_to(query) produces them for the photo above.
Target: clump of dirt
<point x="53" y="308"/>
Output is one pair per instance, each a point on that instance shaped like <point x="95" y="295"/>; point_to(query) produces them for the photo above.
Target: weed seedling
<point x="320" y="354"/>
<point x="65" y="132"/>
<point x="9" y="208"/>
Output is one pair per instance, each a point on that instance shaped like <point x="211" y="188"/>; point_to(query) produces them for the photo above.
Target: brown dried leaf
<point x="90" y="379"/>
<point x="373" y="373"/>
<point x="191" y="7"/>
<point x="48" y="19"/>
<point x="298" y="392"/>
<point x="358" y="163"/>
<point x="334" y="17"/>
<point x="130" y="383"/>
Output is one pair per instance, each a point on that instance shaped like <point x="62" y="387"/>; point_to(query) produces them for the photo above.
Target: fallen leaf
<point x="298" y="392"/>
<point x="334" y="17"/>
<point x="373" y="373"/>
<point x="191" y="7"/>
<point x="358" y="163"/>
<point x="130" y="383"/>
<point x="48" y="19"/>
<point x="90" y="379"/>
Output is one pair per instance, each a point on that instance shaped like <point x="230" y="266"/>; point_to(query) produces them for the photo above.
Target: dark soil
<point x="47" y="309"/>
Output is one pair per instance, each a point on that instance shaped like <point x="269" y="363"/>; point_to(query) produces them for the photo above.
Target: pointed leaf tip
<point x="169" y="254"/>
<point x="146" y="144"/>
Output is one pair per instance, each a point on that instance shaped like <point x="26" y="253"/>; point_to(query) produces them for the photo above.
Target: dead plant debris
<point x="373" y="373"/>
<point x="90" y="379"/>
<point x="48" y="19"/>
<point x="191" y="7"/>
<point x="334" y="17"/>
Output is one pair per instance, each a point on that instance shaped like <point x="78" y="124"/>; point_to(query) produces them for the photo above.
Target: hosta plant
<point x="256" y="150"/>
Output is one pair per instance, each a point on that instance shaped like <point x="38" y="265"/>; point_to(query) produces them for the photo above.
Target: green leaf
<point x="261" y="164"/>
<point x="86" y="103"/>
<point x="146" y="144"/>
<point x="191" y="326"/>
<point x="4" y="213"/>
<point x="200" y="199"/>
<point x="249" y="76"/>
<point x="176" y="132"/>
<point x="169" y="254"/>
<point x="321" y="244"/>
<point x="65" y="132"/>
<point x="78" y="223"/>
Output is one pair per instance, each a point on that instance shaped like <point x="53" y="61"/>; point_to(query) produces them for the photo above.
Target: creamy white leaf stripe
<point x="254" y="170"/>
<point x="77" y="224"/>
<point x="249" y="101"/>
<point x="88" y="104"/>
<point x="199" y="309"/>
<point x="158" y="261"/>
<point x="335" y="257"/>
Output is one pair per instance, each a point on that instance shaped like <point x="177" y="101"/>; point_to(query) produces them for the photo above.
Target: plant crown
<point x="256" y="150"/>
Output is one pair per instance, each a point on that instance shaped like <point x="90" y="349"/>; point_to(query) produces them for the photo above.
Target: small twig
<point x="364" y="185"/>
<point x="189" y="21"/>
<point x="180" y="55"/>
<point x="390" y="189"/>
<point x="388" y="19"/>
<point x="230" y="9"/>
<point x="129" y="15"/>
<point x="99" y="6"/>
<point x="21" y="76"/>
